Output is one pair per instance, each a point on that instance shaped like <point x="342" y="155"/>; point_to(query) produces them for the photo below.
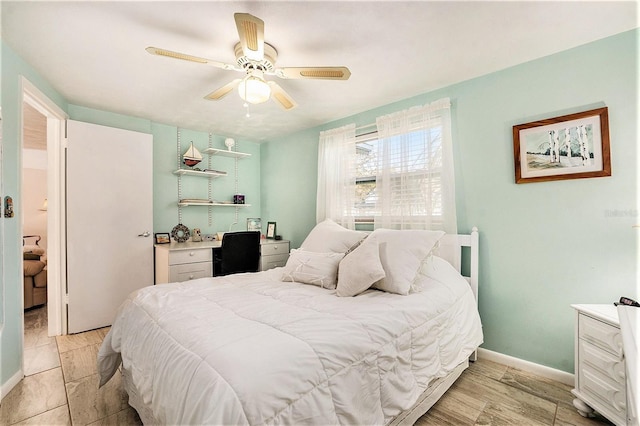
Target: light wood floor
<point x="61" y="388"/>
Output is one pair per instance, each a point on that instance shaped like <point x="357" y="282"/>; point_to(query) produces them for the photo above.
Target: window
<point x="413" y="168"/>
<point x="399" y="177"/>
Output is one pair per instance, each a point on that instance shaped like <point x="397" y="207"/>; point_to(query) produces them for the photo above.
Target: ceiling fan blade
<point x="281" y="97"/>
<point x="223" y="91"/>
<point x="324" y="73"/>
<point x="251" y="32"/>
<point x="177" y="55"/>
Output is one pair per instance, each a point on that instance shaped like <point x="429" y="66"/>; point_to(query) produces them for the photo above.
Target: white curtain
<point x="336" y="175"/>
<point x="415" y="178"/>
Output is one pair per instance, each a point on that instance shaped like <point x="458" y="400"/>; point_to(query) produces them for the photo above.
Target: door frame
<point x="56" y="196"/>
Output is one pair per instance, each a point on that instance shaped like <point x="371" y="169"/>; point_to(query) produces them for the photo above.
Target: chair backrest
<point x="240" y="252"/>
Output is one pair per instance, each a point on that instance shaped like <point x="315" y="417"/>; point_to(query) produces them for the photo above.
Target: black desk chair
<point x="240" y="252"/>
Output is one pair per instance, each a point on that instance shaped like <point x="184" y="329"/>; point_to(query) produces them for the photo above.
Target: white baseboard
<point x="531" y="367"/>
<point x="10" y="384"/>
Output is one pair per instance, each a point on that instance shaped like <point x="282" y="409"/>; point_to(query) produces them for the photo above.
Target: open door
<point x="109" y="221"/>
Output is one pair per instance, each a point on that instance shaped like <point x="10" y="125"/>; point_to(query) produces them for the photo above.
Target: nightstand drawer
<point x="600" y="334"/>
<point x="190" y="271"/>
<point x="611" y="367"/>
<point x="609" y="400"/>
<point x="178" y="257"/>
<point x="268" y="249"/>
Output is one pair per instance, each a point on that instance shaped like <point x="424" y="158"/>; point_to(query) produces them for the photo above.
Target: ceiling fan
<point x="256" y="58"/>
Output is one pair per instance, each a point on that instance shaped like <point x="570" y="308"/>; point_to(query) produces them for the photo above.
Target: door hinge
<point x="66" y="299"/>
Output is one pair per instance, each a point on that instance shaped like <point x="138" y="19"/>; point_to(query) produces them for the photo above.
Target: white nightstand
<point x="599" y="363"/>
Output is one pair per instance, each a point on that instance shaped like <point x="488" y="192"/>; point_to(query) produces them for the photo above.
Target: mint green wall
<point x="545" y="245"/>
<point x="10" y="283"/>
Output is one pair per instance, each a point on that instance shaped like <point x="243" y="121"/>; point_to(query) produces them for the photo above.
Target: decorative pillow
<point x="329" y="237"/>
<point x="438" y="269"/>
<point x="312" y="268"/>
<point x="402" y="253"/>
<point x="360" y="269"/>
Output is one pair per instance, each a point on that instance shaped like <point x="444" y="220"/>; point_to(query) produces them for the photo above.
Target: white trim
<point x="56" y="213"/>
<point x="528" y="366"/>
<point x="10" y="384"/>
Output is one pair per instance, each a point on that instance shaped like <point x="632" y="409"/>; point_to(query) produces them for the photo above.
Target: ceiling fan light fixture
<point x="254" y="90"/>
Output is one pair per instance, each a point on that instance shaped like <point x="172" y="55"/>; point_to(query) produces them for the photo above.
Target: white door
<point x="109" y="221"/>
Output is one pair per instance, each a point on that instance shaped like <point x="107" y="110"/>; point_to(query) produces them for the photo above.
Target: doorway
<point x="34" y="242"/>
<point x="42" y="138"/>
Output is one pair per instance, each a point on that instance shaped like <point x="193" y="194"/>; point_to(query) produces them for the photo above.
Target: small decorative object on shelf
<point x="192" y="156"/>
<point x="196" y="237"/>
<point x="238" y="199"/>
<point x="180" y="233"/>
<point x="229" y="142"/>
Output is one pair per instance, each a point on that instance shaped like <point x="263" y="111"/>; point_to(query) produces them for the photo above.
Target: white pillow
<point x="360" y="269"/>
<point x="312" y="268"/>
<point x="402" y="253"/>
<point x="438" y="269"/>
<point x="329" y="237"/>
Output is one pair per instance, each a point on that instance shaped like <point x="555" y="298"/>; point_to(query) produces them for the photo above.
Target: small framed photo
<point x="271" y="229"/>
<point x="572" y="146"/>
<point x="254" y="224"/>
<point x="162" y="238"/>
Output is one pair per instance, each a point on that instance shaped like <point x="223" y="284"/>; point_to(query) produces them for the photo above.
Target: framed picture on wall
<point x="271" y="229"/>
<point x="571" y="146"/>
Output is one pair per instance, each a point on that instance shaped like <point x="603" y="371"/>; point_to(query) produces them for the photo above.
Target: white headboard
<point x="450" y="249"/>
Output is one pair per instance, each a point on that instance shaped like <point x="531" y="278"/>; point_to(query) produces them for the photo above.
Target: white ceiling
<point x="93" y="53"/>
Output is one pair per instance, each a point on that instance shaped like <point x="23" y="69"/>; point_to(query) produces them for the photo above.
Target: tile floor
<point x="61" y="388"/>
<point x="61" y="381"/>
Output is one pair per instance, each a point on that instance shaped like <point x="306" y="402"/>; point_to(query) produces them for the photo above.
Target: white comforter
<point x="251" y="349"/>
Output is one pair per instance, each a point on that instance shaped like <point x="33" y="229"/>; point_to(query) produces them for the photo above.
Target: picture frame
<point x="254" y="224"/>
<point x="162" y="237"/>
<point x="572" y="146"/>
<point x="271" y="230"/>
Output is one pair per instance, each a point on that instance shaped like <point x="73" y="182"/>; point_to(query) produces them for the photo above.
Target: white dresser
<point x="600" y="376"/>
<point x="188" y="261"/>
<point x="184" y="261"/>
<point x="273" y="253"/>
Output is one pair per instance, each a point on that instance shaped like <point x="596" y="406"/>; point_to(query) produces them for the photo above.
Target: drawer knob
<point x="190" y="277"/>
<point x="191" y="253"/>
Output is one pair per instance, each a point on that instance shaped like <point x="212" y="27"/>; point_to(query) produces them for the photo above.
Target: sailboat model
<point x="192" y="156"/>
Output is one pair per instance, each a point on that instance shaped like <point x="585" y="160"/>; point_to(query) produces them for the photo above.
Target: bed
<point x="297" y="345"/>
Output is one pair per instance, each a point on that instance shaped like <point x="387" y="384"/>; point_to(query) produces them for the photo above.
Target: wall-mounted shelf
<point x="210" y="174"/>
<point x="226" y="153"/>
<point x="212" y="204"/>
<point x="202" y="173"/>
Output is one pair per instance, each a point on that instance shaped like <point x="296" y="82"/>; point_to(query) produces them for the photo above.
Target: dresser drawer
<point x="274" y="248"/>
<point x="190" y="271"/>
<point x="178" y="257"/>
<point x="273" y="261"/>
<point x="600" y="334"/>
<point x="611" y="367"/>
